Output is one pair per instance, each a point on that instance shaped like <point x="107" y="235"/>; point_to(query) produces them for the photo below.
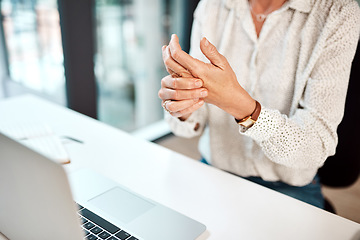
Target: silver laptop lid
<point x="35" y="196"/>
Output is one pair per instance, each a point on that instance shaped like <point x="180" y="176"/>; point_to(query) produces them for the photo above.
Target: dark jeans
<point x="310" y="193"/>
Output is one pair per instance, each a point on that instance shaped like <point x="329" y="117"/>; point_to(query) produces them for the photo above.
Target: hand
<point x="185" y="94"/>
<point x="184" y="91"/>
<point x="218" y="78"/>
<point x="172" y="67"/>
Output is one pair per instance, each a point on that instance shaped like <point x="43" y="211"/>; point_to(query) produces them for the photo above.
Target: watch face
<point x="247" y="123"/>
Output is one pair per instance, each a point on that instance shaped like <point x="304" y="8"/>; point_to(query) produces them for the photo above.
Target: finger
<point x="181" y="83"/>
<point x="188" y="110"/>
<point x="176" y="67"/>
<point x="171" y="94"/>
<point x="177" y="106"/>
<point x="163" y="49"/>
<point x="165" y="57"/>
<point x="211" y="53"/>
<point x="172" y="66"/>
<point x="171" y="72"/>
<point x="181" y="57"/>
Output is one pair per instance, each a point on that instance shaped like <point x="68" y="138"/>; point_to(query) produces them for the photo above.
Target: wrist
<point x="249" y="121"/>
<point x="254" y="114"/>
<point x="247" y="109"/>
<point x="241" y="106"/>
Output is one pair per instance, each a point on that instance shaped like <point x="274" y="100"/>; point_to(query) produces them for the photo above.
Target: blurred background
<point x="99" y="57"/>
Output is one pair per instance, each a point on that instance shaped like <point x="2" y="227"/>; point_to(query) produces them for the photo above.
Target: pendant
<point x="260" y="17"/>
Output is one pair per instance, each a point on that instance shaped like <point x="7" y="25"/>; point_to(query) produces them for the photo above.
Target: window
<point x="128" y="61"/>
<point x="55" y="48"/>
<point x="33" y="47"/>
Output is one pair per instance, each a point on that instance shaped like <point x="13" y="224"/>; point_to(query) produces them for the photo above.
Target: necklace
<point x="260" y="17"/>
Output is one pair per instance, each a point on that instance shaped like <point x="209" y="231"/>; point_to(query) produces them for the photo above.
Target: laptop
<point x="36" y="202"/>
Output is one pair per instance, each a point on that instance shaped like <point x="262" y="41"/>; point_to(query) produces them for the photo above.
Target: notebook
<point x="37" y="202"/>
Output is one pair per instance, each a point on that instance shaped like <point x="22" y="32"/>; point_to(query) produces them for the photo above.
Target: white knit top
<point x="298" y="69"/>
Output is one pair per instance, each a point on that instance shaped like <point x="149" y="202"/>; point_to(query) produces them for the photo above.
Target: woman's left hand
<point x="219" y="79"/>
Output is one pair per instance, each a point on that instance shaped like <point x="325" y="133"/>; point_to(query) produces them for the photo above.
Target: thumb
<point x="211" y="53"/>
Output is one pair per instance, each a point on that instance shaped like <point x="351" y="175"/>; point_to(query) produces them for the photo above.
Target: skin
<point x="192" y="82"/>
<point x="264" y="7"/>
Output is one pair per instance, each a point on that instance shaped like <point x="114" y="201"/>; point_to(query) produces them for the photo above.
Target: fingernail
<point x="198" y="83"/>
<point x="206" y="43"/>
<point x="201" y="102"/>
<point x="203" y="93"/>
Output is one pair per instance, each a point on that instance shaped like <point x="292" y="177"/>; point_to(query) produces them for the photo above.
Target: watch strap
<point x="253" y="116"/>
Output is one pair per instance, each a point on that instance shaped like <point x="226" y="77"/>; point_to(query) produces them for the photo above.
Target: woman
<point x="269" y="105"/>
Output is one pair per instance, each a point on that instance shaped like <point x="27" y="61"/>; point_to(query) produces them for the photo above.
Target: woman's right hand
<point x="180" y="92"/>
<point x="181" y="96"/>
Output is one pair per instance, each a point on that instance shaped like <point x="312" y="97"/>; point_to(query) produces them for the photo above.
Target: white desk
<point x="230" y="207"/>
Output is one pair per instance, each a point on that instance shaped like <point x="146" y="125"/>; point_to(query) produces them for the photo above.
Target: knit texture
<point x="298" y="69"/>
